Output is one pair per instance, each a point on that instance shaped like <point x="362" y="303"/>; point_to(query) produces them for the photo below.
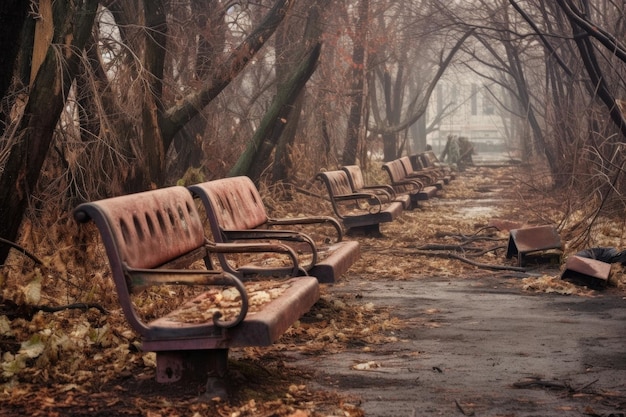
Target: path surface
<point x="483" y="347"/>
<point x="484" y="340"/>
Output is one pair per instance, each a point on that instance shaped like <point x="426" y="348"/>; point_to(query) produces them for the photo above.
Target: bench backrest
<point x="395" y="170"/>
<point x="336" y="182"/>
<point x="419" y="162"/>
<point x="355" y="176"/>
<point x="144" y="230"/>
<point x="235" y="203"/>
<point x="148" y="229"/>
<point x="430" y="158"/>
<point x="406" y="165"/>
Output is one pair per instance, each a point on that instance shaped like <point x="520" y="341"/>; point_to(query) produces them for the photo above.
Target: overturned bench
<point x="235" y="212"/>
<point x="155" y="238"/>
<point x="361" y="213"/>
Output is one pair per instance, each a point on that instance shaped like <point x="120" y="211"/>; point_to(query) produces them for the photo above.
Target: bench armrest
<point x="373" y="200"/>
<point x="415" y="184"/>
<point x="420" y="176"/>
<point x="382" y="190"/>
<point x="284" y="235"/>
<point x="287" y="221"/>
<point x="161" y="276"/>
<point x="265" y="247"/>
<point x="354" y="196"/>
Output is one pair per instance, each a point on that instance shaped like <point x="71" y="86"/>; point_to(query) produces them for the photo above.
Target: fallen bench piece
<point x="236" y="212"/>
<point x="538" y="243"/>
<point x="591" y="273"/>
<point x="384" y="191"/>
<point x="151" y="239"/>
<point x="360" y="212"/>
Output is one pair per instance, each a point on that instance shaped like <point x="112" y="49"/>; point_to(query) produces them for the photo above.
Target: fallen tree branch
<point x="463" y="259"/>
<point x="437" y="246"/>
<point x="493" y="249"/>
<point x="78" y="306"/>
<point x="13" y="310"/>
<point x="20" y="249"/>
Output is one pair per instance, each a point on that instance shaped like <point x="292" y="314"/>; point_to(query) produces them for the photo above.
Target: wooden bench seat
<point x="360" y="213"/>
<point x="157" y="238"/>
<point x="384" y="191"/>
<point x="235" y="212"/>
<point x="414" y="188"/>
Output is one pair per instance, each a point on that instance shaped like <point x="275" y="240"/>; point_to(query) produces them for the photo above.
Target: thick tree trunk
<point x="73" y="21"/>
<point x="350" y="149"/>
<point x="153" y="150"/>
<point x="13" y="14"/>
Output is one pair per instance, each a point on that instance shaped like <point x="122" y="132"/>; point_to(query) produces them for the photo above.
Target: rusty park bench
<point x="359" y="212"/>
<point x="236" y="212"/>
<point x="430" y="179"/>
<point x="428" y="161"/>
<point x="384" y="191"/>
<point x="157" y="238"/>
<point x="410" y="186"/>
<point x="432" y="160"/>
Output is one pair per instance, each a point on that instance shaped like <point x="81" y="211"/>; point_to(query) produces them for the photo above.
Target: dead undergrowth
<point x="83" y="361"/>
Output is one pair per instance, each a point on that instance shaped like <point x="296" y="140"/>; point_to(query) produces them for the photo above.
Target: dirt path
<point x="487" y="348"/>
<point x="473" y="341"/>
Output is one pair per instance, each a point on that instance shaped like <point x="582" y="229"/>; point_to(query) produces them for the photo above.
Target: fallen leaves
<point x="76" y="360"/>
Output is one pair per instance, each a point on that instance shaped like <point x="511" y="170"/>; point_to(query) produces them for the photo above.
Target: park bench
<point x="360" y="213"/>
<point x="157" y="238"/>
<point x="235" y="212"/>
<point x="428" y="178"/>
<point x="384" y="191"/>
<point x="428" y="161"/>
<point x="412" y="187"/>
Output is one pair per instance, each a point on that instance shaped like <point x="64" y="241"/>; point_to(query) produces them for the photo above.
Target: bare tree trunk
<point x="13" y="14"/>
<point x="73" y="21"/>
<point x="175" y="118"/>
<point x="350" y="149"/>
<point x="153" y="149"/>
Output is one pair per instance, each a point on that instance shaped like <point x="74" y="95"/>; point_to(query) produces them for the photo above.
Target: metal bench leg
<point x="172" y="366"/>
